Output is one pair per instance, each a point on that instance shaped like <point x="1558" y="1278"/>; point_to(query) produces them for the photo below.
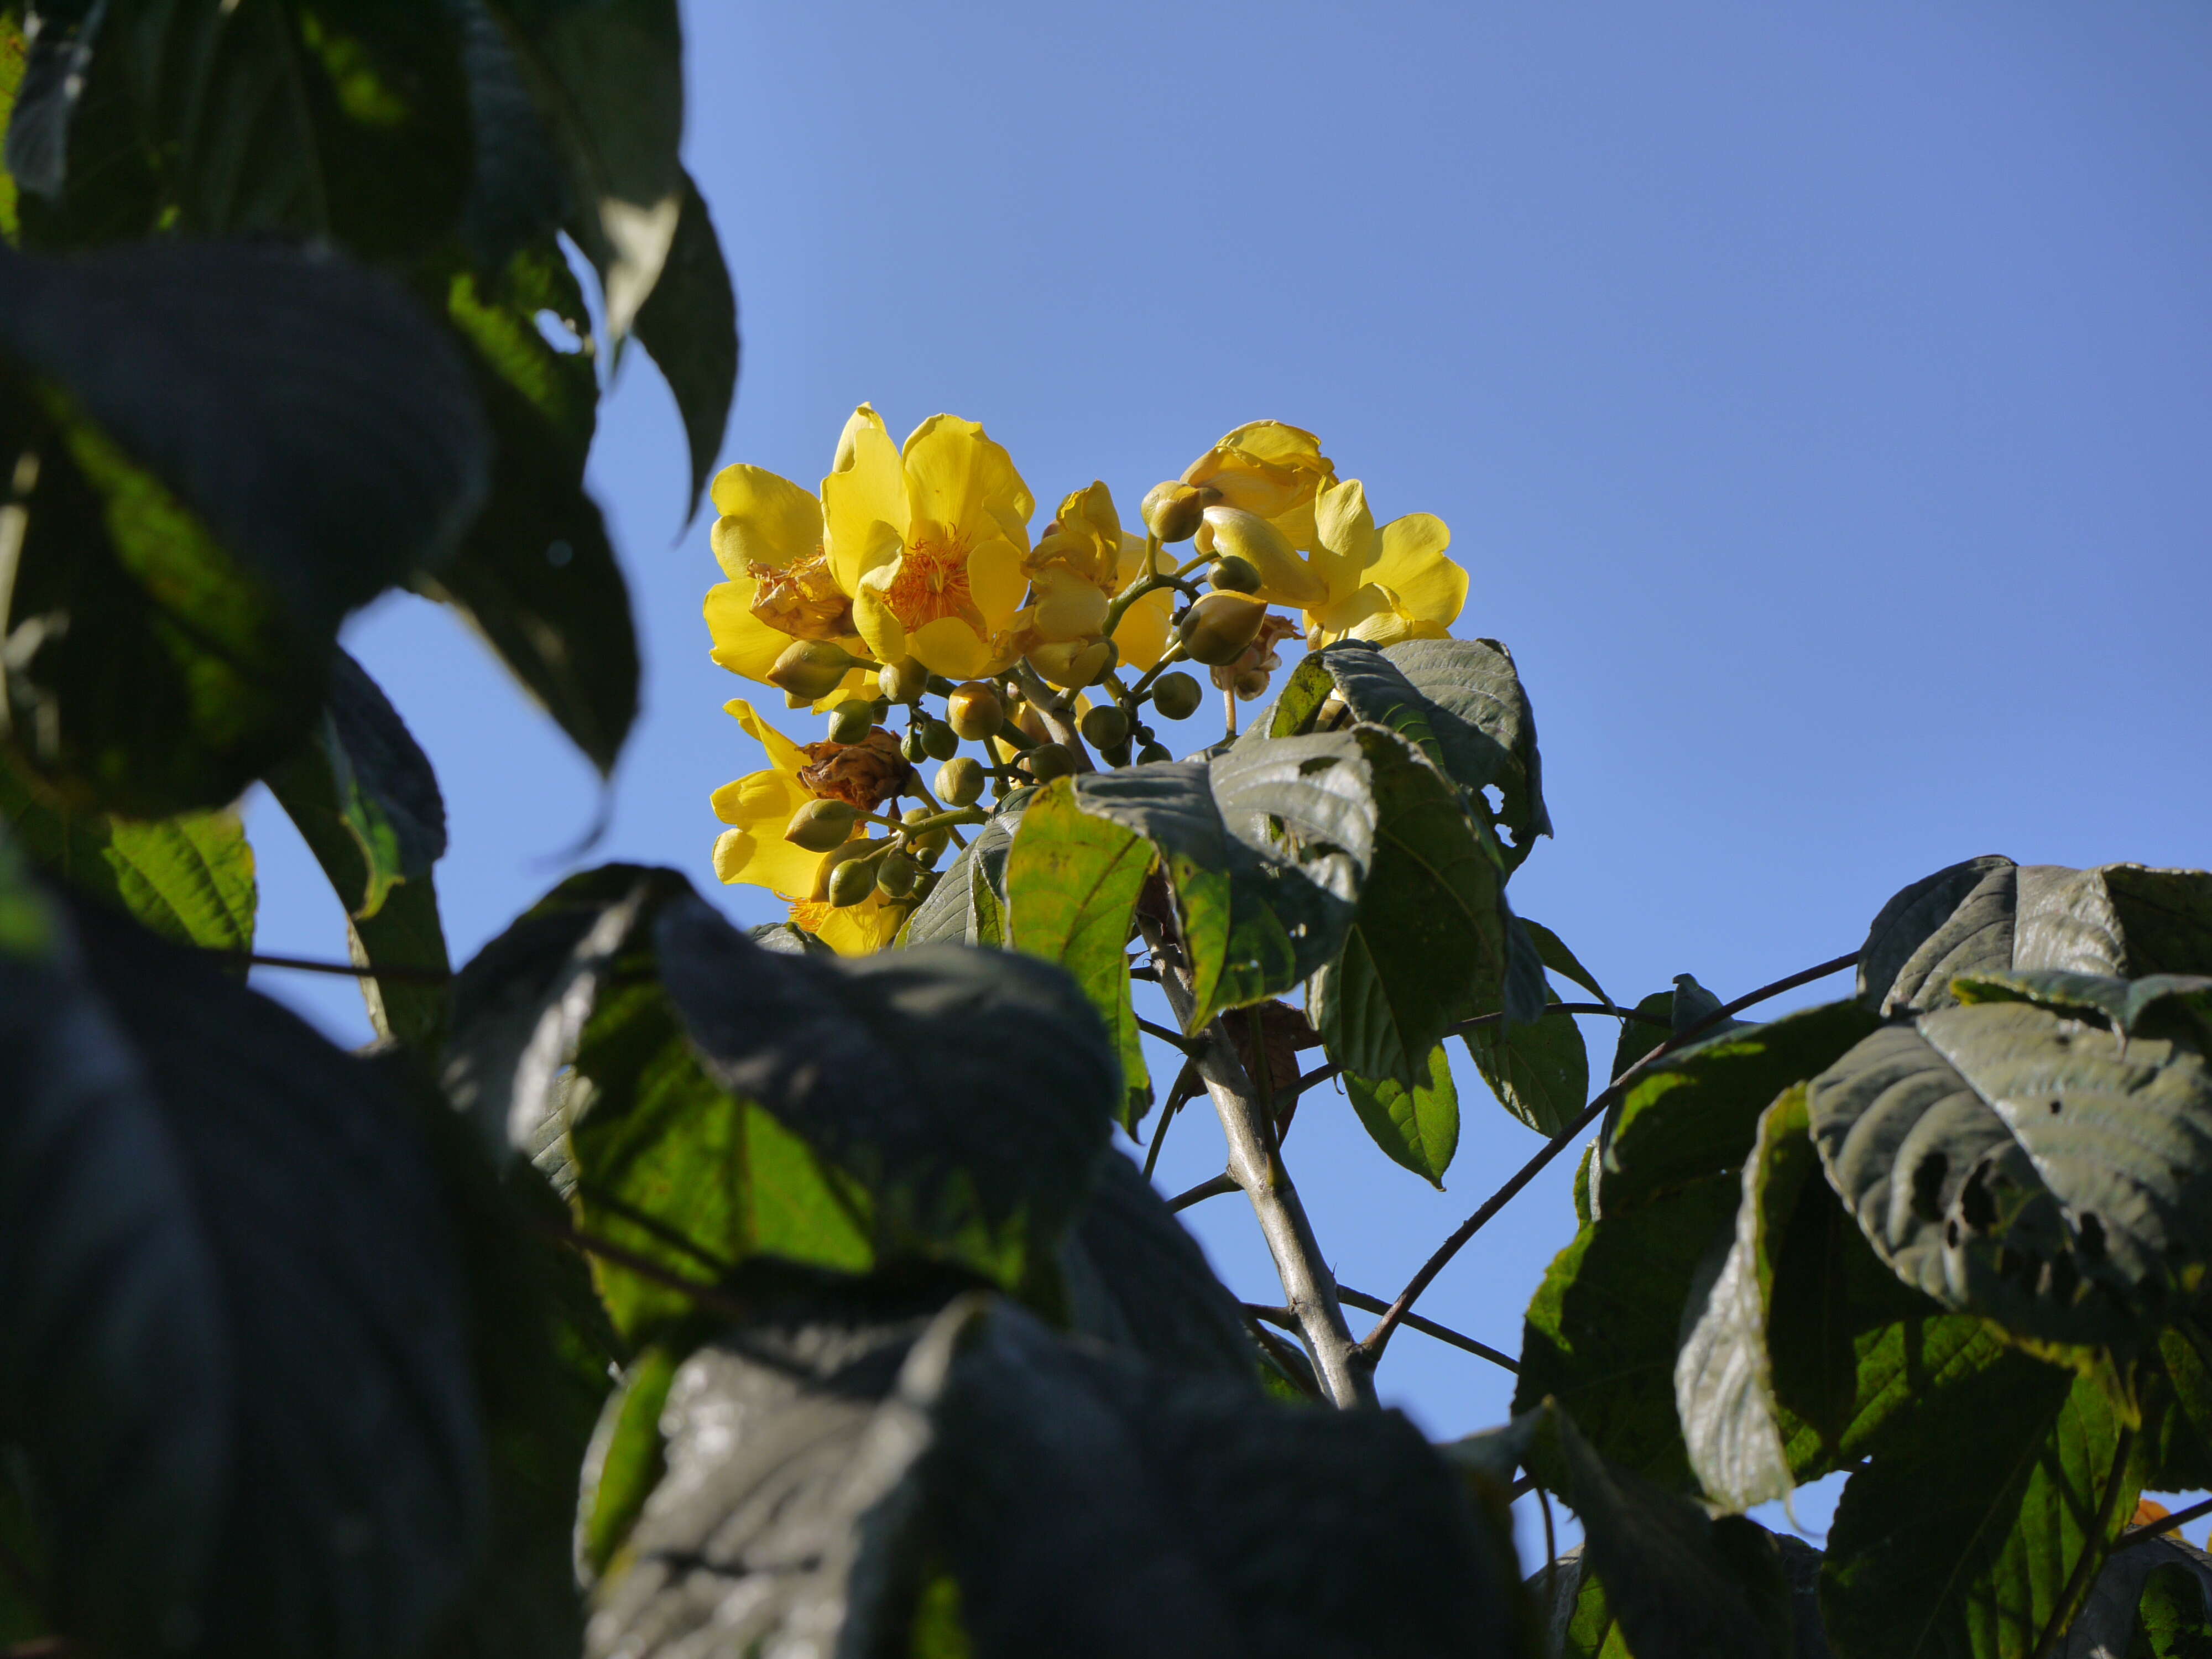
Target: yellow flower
<point x="941" y="527"/>
<point x="759" y="806"/>
<point x="1270" y="469"/>
<point x="1385" y="585"/>
<point x="1083" y="561"/>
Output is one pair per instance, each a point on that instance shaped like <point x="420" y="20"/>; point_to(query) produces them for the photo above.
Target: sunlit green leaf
<point x="1418" y="1127"/>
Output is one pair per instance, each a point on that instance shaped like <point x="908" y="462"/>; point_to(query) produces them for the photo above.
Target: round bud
<point x="1252" y="684"/>
<point x="850" y="720"/>
<point x="930" y="842"/>
<point x="820" y="825"/>
<point x="912" y="745"/>
<point x="1234" y="575"/>
<point x="974" y="710"/>
<point x="1215" y="630"/>
<point x="851" y="882"/>
<point x="1048" y="761"/>
<point x="940" y="741"/>
<point x="880" y="710"/>
<point x="897" y="876"/>
<point x="1151" y="752"/>
<point x="903" y="681"/>
<point x="960" y="783"/>
<point x="1118" y="754"/>
<point x="810" y="670"/>
<point x="1104" y="726"/>
<point x="835" y="859"/>
<point x="1177" y="696"/>
<point x="1172" y="511"/>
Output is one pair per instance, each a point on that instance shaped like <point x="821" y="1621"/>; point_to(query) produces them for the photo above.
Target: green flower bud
<point x="1177" y="696"/>
<point x="903" y="681"/>
<point x="1234" y="575"/>
<point x="975" y="710"/>
<point x="851" y="882"/>
<point x="810" y="670"/>
<point x="1252" y="684"/>
<point x="850" y="720"/>
<point x="1117" y="754"/>
<point x="912" y="745"/>
<point x="1215" y="630"/>
<point x="1152" y="752"/>
<point x="1048" y="761"/>
<point x="930" y="842"/>
<point x="1173" y="510"/>
<point x="820" y="825"/>
<point x="940" y="741"/>
<point x="1104" y="726"/>
<point x="960" y="783"/>
<point x="897" y="876"/>
<point x="835" y="859"/>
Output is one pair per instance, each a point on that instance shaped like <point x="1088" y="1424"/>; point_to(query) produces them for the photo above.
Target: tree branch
<point x="1185" y="1085"/>
<point x="1367" y="1303"/>
<point x="2160" y="1528"/>
<point x="1322" y="1074"/>
<point x="1371" y="1346"/>
<point x="1255" y="1166"/>
<point x="1204" y="1189"/>
<point x="346" y="969"/>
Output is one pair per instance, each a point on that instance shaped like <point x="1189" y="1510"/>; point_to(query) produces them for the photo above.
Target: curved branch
<point x="1372" y="1344"/>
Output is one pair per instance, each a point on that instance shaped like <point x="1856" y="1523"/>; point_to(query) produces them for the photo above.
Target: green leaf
<point x="690" y="326"/>
<point x="1136" y="1279"/>
<point x="345" y="120"/>
<point x="2178" y="1403"/>
<point x="1990" y="915"/>
<point x="517" y="191"/>
<point x="1696" y="1112"/>
<point x="968" y="905"/>
<point x="1460" y="701"/>
<point x="2172" y="1619"/>
<point x="1418" y="1128"/>
<point x="2180" y="1003"/>
<point x="608" y="76"/>
<point x="239" y="1253"/>
<point x="1964" y="1534"/>
<point x="12" y="51"/>
<point x="1074" y="878"/>
<point x="1540" y="1072"/>
<point x="1427" y="945"/>
<point x="1677" y="1584"/>
<point x="2014" y="1163"/>
<point x="1562" y="961"/>
<point x="626" y="1460"/>
<point x="537" y="578"/>
<point x="366" y="803"/>
<point x="190" y="879"/>
<point x="193" y="540"/>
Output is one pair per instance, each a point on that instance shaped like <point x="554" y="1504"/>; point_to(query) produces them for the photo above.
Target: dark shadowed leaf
<point x="365" y="800"/>
<point x="1427" y="944"/>
<point x="2176" y="1004"/>
<point x="190" y="879"/>
<point x="518" y="193"/>
<point x="1991" y="915"/>
<point x="689" y="324"/>
<point x="220" y="451"/>
<point x="1418" y="1127"/>
<point x="1540" y="1072"/>
<point x="236" y="1346"/>
<point x="2013" y="1163"/>
<point x="1963" y="1535"/>
<point x="1137" y="1280"/>
<point x="968" y="905"/>
<point x="1562" y="961"/>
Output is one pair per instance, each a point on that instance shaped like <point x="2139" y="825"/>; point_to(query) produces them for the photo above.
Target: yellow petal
<point x="866" y="491"/>
<point x="1130" y="564"/>
<point x="883" y="633"/>
<point x="782" y="753"/>
<point x="1277" y="442"/>
<point x="1093" y="507"/>
<point x="862" y="419"/>
<point x="995" y="581"/>
<point x="1067" y="607"/>
<point x="958" y="477"/>
<point x="1427" y="585"/>
<point x="732" y="850"/>
<point x="1142" y="635"/>
<point x="744" y="644"/>
<point x="766" y="519"/>
<point x="950" y="647"/>
<point x="860" y="682"/>
<point x="862" y="929"/>
<point x="1284" y="578"/>
<point x="1339" y="619"/>
<point x="1384" y="627"/>
<point x="754" y="851"/>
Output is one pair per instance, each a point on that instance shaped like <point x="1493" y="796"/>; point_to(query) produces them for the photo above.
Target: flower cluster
<point x="911" y="576"/>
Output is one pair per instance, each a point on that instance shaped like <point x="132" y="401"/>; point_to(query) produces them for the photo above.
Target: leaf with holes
<point x="2013" y="1163"/>
<point x="1991" y="915"/>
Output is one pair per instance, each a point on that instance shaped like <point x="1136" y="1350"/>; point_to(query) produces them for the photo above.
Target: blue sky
<point x="1820" y="397"/>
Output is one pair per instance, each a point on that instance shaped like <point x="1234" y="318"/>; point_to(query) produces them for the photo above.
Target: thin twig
<point x="1367" y="1303"/>
<point x="1169" y="1034"/>
<point x="1322" y="1074"/>
<point x="1281" y="1318"/>
<point x="346" y="969"/>
<point x="1371" y="1346"/>
<point x="1551" y="1559"/>
<point x="2164" y="1524"/>
<point x="1185" y="1085"/>
<point x="706" y="1296"/>
<point x="1204" y="1190"/>
<point x="1283" y="1353"/>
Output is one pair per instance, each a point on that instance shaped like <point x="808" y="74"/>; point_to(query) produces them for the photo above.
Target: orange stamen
<point x="933" y="583"/>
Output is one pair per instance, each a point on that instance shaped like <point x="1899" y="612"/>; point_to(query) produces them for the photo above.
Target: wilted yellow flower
<point x="1083" y="561"/>
<point x="1270" y="469"/>
<point x="760" y="807"/>
<point x="1385" y="585"/>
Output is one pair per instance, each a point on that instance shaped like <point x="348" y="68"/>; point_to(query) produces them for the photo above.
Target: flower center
<point x="801" y="599"/>
<point x="933" y="583"/>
